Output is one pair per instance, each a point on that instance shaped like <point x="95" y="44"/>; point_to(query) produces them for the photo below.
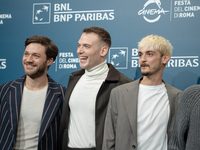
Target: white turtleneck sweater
<point x="82" y="105"/>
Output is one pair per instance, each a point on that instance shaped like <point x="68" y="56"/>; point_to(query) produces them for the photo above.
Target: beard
<point x="151" y="71"/>
<point x="147" y="73"/>
<point x="37" y="73"/>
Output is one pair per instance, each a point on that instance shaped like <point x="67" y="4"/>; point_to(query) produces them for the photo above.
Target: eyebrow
<point x="84" y="44"/>
<point x="32" y="53"/>
<point x="147" y="51"/>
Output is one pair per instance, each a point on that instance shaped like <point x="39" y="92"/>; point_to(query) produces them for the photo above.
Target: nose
<point x="29" y="58"/>
<point x="79" y="50"/>
<point x="142" y="58"/>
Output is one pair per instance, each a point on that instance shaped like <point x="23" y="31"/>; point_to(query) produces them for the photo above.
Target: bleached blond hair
<point x="156" y="42"/>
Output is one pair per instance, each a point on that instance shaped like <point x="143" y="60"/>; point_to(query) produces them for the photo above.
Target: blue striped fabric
<point x="10" y="102"/>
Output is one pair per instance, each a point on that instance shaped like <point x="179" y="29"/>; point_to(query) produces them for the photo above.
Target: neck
<point x="97" y="70"/>
<point x="37" y="83"/>
<point x="151" y="81"/>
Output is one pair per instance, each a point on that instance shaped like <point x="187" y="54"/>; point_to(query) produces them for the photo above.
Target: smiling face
<point x="34" y="60"/>
<point x="91" y="51"/>
<point x="151" y="62"/>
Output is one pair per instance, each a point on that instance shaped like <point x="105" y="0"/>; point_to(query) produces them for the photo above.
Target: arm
<point x="110" y="124"/>
<point x="2" y="92"/>
<point x="182" y="124"/>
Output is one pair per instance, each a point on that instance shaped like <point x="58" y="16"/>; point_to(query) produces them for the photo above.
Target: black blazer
<point x="113" y="79"/>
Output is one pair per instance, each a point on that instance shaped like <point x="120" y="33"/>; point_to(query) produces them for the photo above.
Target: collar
<point x="113" y="74"/>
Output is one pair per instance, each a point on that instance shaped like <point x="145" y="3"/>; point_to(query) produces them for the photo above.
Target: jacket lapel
<point x="131" y="104"/>
<point x="171" y="101"/>
<point x="15" y="97"/>
<point x="51" y="106"/>
<point x="173" y="104"/>
<point x="71" y="84"/>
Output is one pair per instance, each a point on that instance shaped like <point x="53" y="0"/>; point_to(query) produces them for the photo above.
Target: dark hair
<point x="102" y="33"/>
<point x="51" y="48"/>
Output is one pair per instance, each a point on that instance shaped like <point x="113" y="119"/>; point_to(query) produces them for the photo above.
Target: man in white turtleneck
<point x="88" y="92"/>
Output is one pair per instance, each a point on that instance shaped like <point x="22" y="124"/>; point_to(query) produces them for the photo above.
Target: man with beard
<point x="30" y="107"/>
<point x="141" y="114"/>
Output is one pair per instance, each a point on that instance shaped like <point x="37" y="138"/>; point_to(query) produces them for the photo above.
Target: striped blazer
<point x="10" y="102"/>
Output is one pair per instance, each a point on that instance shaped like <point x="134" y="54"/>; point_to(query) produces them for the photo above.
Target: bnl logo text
<point x="2" y="63"/>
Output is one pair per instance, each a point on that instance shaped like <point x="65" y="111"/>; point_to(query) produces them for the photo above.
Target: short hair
<point x="51" y="48"/>
<point x="156" y="42"/>
<point x="102" y="33"/>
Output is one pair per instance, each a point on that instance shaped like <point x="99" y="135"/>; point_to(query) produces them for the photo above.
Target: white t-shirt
<point x="153" y="116"/>
<point x="30" y="119"/>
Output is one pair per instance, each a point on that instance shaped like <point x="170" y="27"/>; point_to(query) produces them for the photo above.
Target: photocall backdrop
<point x="127" y="21"/>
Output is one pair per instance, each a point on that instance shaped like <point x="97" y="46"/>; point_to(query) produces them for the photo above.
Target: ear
<point x="49" y="62"/>
<point x="165" y="59"/>
<point x="104" y="51"/>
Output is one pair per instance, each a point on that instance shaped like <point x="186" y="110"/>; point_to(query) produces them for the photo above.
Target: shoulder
<point x="190" y="97"/>
<point x="6" y="86"/>
<point x="172" y="89"/>
<point x="78" y="73"/>
<point x="194" y="89"/>
<point x="13" y="83"/>
<point x="116" y="76"/>
<point x="55" y="85"/>
<point x="192" y="92"/>
<point x="124" y="78"/>
<point x="126" y="87"/>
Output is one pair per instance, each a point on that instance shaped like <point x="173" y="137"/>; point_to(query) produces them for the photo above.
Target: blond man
<point x="140" y="114"/>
